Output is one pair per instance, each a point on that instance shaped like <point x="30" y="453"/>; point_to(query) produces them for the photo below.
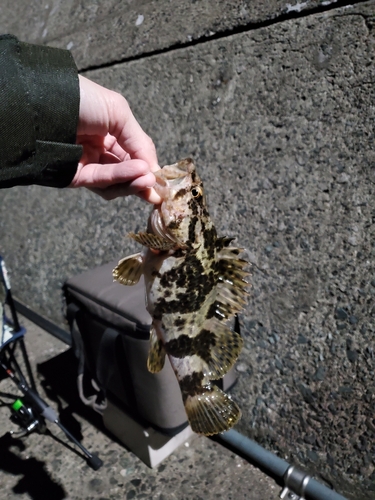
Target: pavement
<point x="48" y="467"/>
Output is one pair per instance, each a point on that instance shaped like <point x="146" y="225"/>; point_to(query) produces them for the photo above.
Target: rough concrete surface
<point x="103" y="32"/>
<point x="39" y="467"/>
<point x="280" y="122"/>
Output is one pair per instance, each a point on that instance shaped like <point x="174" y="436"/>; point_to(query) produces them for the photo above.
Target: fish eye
<point x="196" y="192"/>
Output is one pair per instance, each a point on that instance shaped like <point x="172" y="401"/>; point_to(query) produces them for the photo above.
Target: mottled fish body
<point x="194" y="282"/>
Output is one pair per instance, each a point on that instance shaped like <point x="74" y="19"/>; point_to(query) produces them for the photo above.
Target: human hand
<point x="118" y="156"/>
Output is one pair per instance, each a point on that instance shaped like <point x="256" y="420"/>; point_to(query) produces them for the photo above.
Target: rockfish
<point x="194" y="283"/>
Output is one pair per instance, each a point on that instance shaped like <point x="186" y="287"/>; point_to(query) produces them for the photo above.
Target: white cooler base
<point x="150" y="446"/>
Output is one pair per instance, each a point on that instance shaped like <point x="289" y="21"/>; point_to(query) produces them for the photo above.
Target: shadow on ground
<point x="60" y="385"/>
<point x="35" y="480"/>
<point x="59" y="390"/>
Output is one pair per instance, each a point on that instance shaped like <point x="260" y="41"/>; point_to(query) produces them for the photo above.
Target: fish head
<point x="183" y="198"/>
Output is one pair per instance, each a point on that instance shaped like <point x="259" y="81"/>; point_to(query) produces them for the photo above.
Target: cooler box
<point x="110" y="329"/>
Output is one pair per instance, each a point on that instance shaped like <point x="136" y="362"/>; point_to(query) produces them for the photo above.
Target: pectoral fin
<point x="156" y="355"/>
<point x="129" y="270"/>
<point x="154" y="241"/>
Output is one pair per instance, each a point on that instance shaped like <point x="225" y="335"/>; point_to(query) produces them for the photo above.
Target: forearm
<point x="39" y="108"/>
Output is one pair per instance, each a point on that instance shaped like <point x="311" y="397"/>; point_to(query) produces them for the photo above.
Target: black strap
<point x="71" y="312"/>
<point x="105" y="363"/>
<point x="77" y="343"/>
<point x="92" y="388"/>
<point x="89" y="391"/>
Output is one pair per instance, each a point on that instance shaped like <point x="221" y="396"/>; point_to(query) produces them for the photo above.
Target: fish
<point x="195" y="282"/>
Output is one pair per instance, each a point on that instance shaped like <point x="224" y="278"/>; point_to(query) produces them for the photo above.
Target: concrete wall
<point x="100" y="33"/>
<point x="275" y="102"/>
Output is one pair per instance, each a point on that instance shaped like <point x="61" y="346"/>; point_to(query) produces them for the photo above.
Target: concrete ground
<point x="42" y="467"/>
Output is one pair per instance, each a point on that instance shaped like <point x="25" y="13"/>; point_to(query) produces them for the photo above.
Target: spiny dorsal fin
<point x="231" y="288"/>
<point x="219" y="348"/>
<point x="234" y="275"/>
<point x="129" y="270"/>
<point x="156" y="355"/>
<point x="211" y="411"/>
<point x="223" y="242"/>
<point x="224" y="251"/>
<point x="229" y="300"/>
<point x="154" y="241"/>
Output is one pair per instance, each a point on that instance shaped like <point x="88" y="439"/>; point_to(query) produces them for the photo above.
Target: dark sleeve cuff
<point x="39" y="105"/>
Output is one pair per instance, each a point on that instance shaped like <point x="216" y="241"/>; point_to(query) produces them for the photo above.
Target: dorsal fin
<point x="230" y="300"/>
<point x="223" y="349"/>
<point x="231" y="288"/>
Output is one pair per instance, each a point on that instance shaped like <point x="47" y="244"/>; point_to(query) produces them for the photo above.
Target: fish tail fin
<point x="211" y="411"/>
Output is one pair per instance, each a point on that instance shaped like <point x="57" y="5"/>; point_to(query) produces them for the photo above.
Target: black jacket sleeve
<point x="39" y="109"/>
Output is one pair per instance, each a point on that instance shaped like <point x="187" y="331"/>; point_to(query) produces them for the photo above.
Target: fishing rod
<point x="297" y="484"/>
<point x="31" y="413"/>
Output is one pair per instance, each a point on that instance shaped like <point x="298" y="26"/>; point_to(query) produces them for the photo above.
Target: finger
<point x="112" y="146"/>
<point x="149" y="195"/>
<point x="129" y="134"/>
<point x="127" y="189"/>
<point x="95" y="175"/>
<point x="103" y="111"/>
<point x="98" y="149"/>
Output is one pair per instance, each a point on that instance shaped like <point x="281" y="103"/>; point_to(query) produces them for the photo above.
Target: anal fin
<point x="129" y="270"/>
<point x="211" y="411"/>
<point x="156" y="355"/>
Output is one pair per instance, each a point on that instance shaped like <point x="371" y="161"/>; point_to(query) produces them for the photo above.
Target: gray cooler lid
<point x="120" y="305"/>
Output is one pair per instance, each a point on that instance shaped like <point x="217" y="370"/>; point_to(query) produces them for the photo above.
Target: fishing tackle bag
<point x="110" y="330"/>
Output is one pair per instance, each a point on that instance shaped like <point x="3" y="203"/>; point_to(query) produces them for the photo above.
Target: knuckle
<point x="150" y="143"/>
<point x="119" y="105"/>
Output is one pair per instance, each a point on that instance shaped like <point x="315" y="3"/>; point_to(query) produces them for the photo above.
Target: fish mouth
<point x="167" y="178"/>
<point x="156" y="226"/>
<point x="171" y="176"/>
<point x="174" y="173"/>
